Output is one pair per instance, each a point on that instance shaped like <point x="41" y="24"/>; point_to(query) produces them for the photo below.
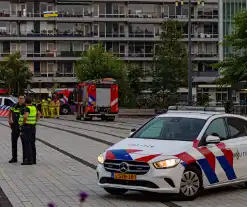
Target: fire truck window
<point x="1" y="101"/>
<point x="60" y="96"/>
<point x="103" y="85"/>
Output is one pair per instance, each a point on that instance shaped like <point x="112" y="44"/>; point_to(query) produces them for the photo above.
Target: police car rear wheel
<point x="115" y="191"/>
<point x="191" y="183"/>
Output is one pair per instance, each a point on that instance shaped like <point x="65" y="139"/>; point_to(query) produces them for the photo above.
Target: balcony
<point x="202" y="37"/>
<point x="49" y="55"/>
<point x="205" y="77"/>
<point x="50" y="35"/>
<point x="4" y="14"/>
<point x="80" y="35"/>
<point x="139" y="17"/>
<point x="206" y="74"/>
<point x="112" y="34"/>
<point x="205" y="56"/>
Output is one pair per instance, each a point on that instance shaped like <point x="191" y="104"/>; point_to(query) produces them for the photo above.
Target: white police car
<point x="183" y="151"/>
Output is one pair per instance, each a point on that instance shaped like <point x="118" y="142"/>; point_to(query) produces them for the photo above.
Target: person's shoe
<point x="25" y="162"/>
<point x="13" y="160"/>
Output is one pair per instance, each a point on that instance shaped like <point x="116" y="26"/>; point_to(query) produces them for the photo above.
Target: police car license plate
<point x="123" y="176"/>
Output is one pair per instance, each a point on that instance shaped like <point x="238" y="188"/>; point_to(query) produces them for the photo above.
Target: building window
<point x="221" y="97"/>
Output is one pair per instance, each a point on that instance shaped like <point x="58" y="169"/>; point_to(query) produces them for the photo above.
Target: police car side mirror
<point x="212" y="139"/>
<point x="132" y="131"/>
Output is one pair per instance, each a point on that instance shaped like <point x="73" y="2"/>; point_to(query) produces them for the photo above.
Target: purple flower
<point x="83" y="196"/>
<point x="51" y="205"/>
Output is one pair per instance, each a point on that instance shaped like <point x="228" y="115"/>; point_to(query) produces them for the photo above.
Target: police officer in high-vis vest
<point x="13" y="118"/>
<point x="28" y="119"/>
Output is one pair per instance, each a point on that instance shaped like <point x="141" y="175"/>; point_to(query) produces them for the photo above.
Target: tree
<point x="134" y="76"/>
<point x="14" y="73"/>
<point x="55" y="85"/>
<point x="234" y="68"/>
<point x="170" y="61"/>
<point x="96" y="63"/>
<point x="203" y="99"/>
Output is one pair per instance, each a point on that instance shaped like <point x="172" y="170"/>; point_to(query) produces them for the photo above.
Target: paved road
<point x="67" y="152"/>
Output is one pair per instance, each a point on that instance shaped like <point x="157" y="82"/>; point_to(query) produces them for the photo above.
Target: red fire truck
<point x="96" y="98"/>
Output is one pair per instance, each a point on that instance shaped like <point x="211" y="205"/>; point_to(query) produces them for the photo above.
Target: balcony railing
<point x="4" y="14"/>
<point x="56" y="73"/>
<point x="51" y="53"/>
<point x="202" y="35"/>
<point x="60" y="14"/>
<point x="142" y="53"/>
<point x="47" y="53"/>
<point x="206" y="74"/>
<point x="143" y="34"/>
<point x="81" y="32"/>
<point x="47" y="33"/>
<point x="204" y="54"/>
<point x="112" y="34"/>
<point x="198" y="15"/>
<point x="130" y="34"/>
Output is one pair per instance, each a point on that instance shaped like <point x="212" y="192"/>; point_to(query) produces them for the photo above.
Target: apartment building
<point x="130" y="29"/>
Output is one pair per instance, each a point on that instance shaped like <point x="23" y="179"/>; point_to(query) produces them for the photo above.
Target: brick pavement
<point x="59" y="178"/>
<point x="56" y="178"/>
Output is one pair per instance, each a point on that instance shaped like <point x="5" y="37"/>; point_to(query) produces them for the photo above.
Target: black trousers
<point x="15" y="133"/>
<point x="28" y="138"/>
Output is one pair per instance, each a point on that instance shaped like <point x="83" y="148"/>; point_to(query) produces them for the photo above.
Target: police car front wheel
<point x="115" y="191"/>
<point x="191" y="183"/>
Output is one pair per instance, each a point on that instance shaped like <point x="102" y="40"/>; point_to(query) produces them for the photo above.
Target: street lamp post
<point x="190" y="101"/>
<point x="190" y="96"/>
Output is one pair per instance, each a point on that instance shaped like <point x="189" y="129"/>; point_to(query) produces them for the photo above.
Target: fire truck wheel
<point x="111" y="118"/>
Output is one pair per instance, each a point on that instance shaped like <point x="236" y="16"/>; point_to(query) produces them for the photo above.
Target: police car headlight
<point x="166" y="163"/>
<point x="101" y="159"/>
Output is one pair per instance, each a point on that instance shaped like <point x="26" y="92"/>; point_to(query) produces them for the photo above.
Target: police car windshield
<point x="171" y="128"/>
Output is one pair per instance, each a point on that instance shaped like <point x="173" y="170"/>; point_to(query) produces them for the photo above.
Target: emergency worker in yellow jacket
<point x="52" y="108"/>
<point x="27" y="121"/>
<point x="44" y="106"/>
<point x="49" y="110"/>
<point x="57" y="108"/>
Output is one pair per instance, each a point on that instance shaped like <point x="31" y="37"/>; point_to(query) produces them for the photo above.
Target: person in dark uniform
<point x="13" y="118"/>
<point x="28" y="119"/>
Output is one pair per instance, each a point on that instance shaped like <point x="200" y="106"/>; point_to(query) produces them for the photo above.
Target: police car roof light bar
<point x="196" y="108"/>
